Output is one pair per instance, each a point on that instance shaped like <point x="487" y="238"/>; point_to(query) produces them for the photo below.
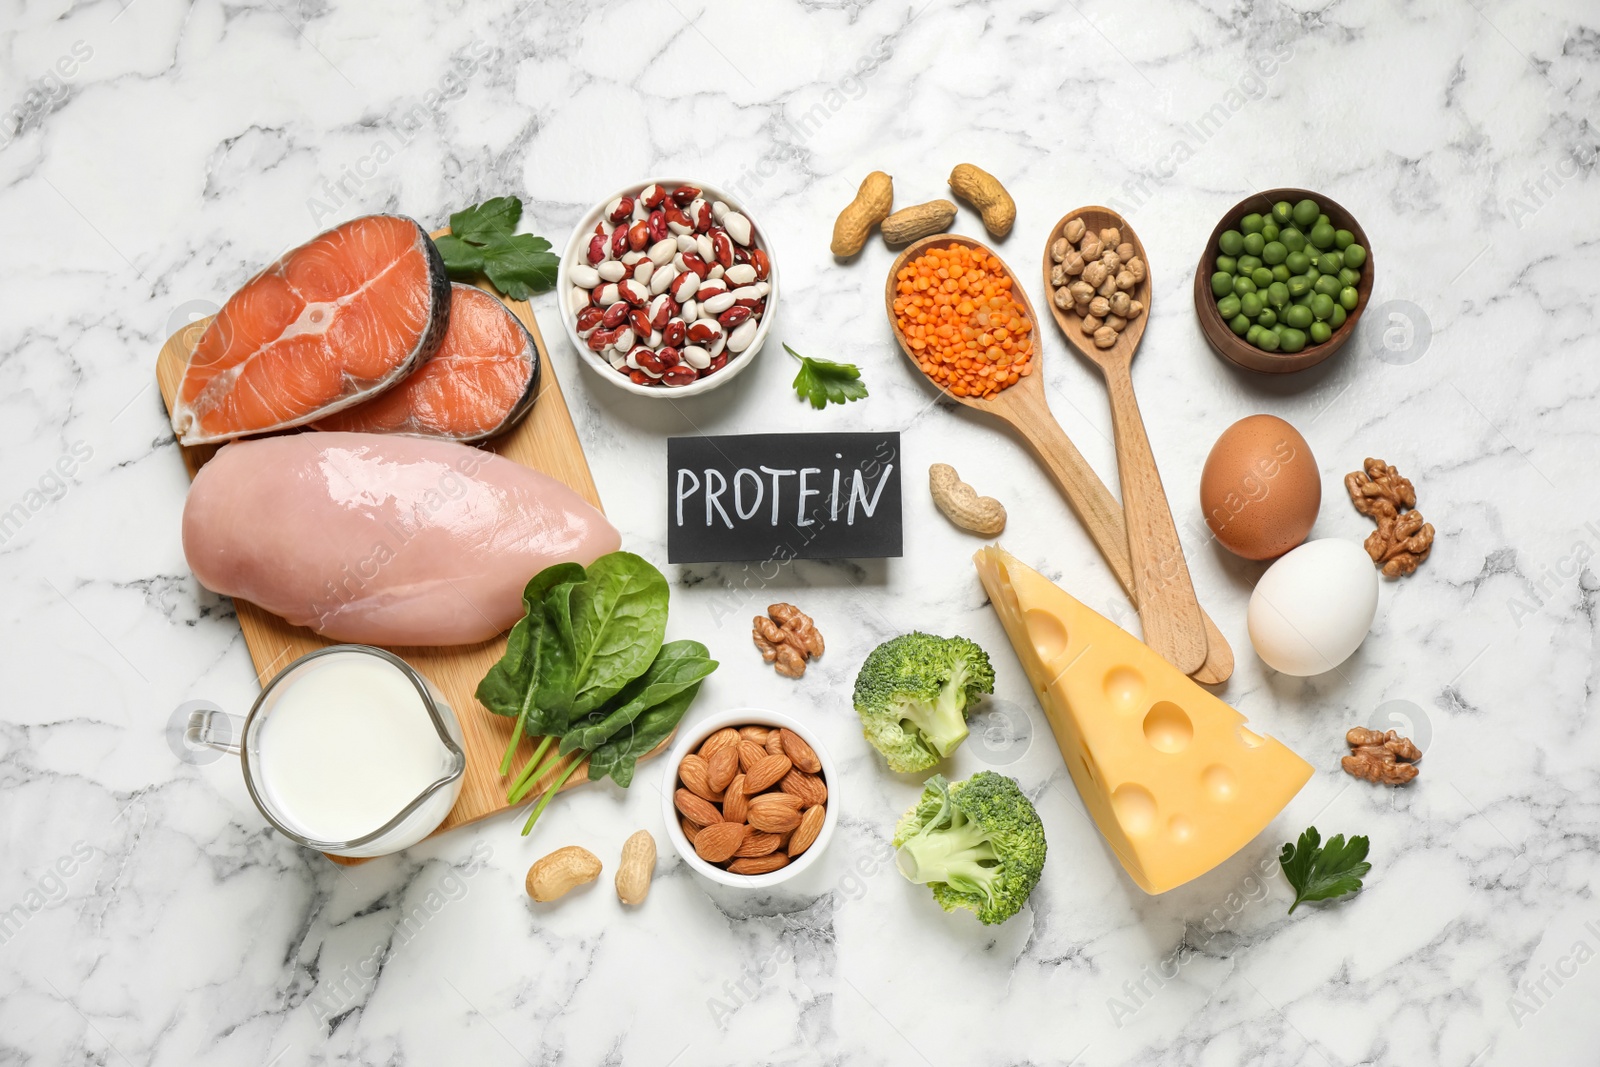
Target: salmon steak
<point x="331" y="323"/>
<point x="383" y="539"/>
<point x="481" y="381"/>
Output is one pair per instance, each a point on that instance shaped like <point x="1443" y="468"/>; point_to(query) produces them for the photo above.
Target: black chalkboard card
<point x="783" y="496"/>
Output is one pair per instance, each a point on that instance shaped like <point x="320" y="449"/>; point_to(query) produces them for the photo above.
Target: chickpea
<point x="1074" y="230"/>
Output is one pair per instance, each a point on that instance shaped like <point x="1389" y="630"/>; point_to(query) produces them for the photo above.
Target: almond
<point x="690" y="830"/>
<point x="758" y="734"/>
<point x="727" y="737"/>
<point x="721" y="767"/>
<point x="734" y="801"/>
<point x="775" y="813"/>
<point x="697" y="810"/>
<point x="808" y="787"/>
<point x="799" y="752"/>
<point x="749" y="753"/>
<point x="805" y="835"/>
<point x="696" y="774"/>
<point x="758" y="843"/>
<point x="774" y="743"/>
<point x="766" y="773"/>
<point x="759" y="864"/>
<point x="717" y="842"/>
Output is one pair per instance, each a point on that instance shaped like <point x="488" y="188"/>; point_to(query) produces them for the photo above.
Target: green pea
<point x="1292" y="239"/>
<point x="1299" y="316"/>
<point x="1299" y="285"/>
<point x="1330" y="263"/>
<point x="1277" y="294"/>
<point x="1312" y="274"/>
<point x="1242" y="285"/>
<point x="1283" y="213"/>
<point x="1355" y="256"/>
<point x="1231" y="242"/>
<point x="1268" y="318"/>
<point x="1254" y="243"/>
<point x="1343" y="239"/>
<point x="1291" y="339"/>
<point x="1221" y="283"/>
<point x="1348" y="298"/>
<point x="1322" y="235"/>
<point x="1248" y="263"/>
<point x="1327" y="284"/>
<point x="1273" y="253"/>
<point x="1280" y="273"/>
<point x="1321" y="306"/>
<point x="1336" y="320"/>
<point x="1305" y="214"/>
<point x="1269" y="231"/>
<point x="1252" y="222"/>
<point x="1262" y="276"/>
<point x="1250" y="305"/>
<point x="1348" y="276"/>
<point x="1303" y="300"/>
<point x="1324" y="218"/>
<point x="1228" y="263"/>
<point x="1267" y="341"/>
<point x="1228" y="306"/>
<point x="1320" y="332"/>
<point x="1297" y="262"/>
<point x="1253" y="334"/>
<point x="1240" y="325"/>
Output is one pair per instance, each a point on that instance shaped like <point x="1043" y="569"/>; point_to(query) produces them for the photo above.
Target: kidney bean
<point x="677" y="221"/>
<point x="733" y="316"/>
<point x="639" y="377"/>
<point x="674" y="332"/>
<point x="662" y="309"/>
<point x="598" y="248"/>
<point x="649" y="362"/>
<point x="723" y="247"/>
<point x="657" y="226"/>
<point x="703" y="330"/>
<point x="639" y="236"/>
<point x="701" y="213"/>
<point x="589" y="318"/>
<point x="600" y="340"/>
<point x="692" y="261"/>
<point x="763" y="265"/>
<point x="652" y="196"/>
<point x="633" y="293"/>
<point x="621" y="209"/>
<point x="639" y="321"/>
<point x="624" y="340"/>
<point x="615" y="315"/>
<point x="684" y="195"/>
<point x="619" y="241"/>
<point x="685" y="285"/>
<point x="679" y="376"/>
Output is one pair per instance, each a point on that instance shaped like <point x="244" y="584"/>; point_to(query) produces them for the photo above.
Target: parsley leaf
<point x="1326" y="872"/>
<point x="520" y="265"/>
<point x="482" y="240"/>
<point x="499" y="215"/>
<point x="824" y="382"/>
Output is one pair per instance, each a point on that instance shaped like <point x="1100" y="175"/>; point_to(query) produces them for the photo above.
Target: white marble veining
<point x="153" y="155"/>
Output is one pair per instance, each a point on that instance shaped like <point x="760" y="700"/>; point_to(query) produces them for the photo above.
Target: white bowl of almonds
<point x="750" y="803"/>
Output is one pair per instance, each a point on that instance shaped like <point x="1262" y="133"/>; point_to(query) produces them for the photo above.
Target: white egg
<point x="1313" y="607"/>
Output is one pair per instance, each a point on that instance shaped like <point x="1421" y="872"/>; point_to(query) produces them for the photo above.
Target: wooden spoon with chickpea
<point x="1090" y="253"/>
<point x="934" y="304"/>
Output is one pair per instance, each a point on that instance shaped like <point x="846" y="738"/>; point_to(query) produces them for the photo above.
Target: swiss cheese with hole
<point x="1171" y="775"/>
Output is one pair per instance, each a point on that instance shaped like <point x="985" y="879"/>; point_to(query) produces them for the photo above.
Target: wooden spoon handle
<point x="1167" y="605"/>
<point x="1101" y="516"/>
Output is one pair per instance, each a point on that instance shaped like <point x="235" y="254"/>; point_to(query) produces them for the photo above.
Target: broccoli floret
<point x="913" y="692"/>
<point x="977" y="844"/>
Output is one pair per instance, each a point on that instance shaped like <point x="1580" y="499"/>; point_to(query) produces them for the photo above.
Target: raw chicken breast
<point x="380" y="539"/>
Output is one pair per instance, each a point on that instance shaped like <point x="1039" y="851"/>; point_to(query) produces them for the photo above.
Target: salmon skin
<point x="483" y="379"/>
<point x="383" y="539"/>
<point x="331" y="323"/>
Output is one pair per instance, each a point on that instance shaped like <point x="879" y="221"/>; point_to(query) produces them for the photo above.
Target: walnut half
<point x="1402" y="540"/>
<point x="1381" y="757"/>
<point x="787" y="638"/>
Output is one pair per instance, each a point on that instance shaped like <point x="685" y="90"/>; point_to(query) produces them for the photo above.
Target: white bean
<point x="747" y="292"/>
<point x="577" y="300"/>
<point x="719" y="303"/>
<point x="716" y="272"/>
<point x="611" y="271"/>
<point x="583" y="275"/>
<point x="690" y="309"/>
<point x="762" y="288"/>
<point x="707" y="250"/>
<point x="663" y="251"/>
<point x="624" y="341"/>
<point x="662" y="278"/>
<point x="742" y="335"/>
<point x="738" y="227"/>
<point x="719" y="210"/>
<point x="686" y="242"/>
<point x="608" y="294"/>
<point x="696" y="357"/>
<point x="741" y="274"/>
<point x="642" y="272"/>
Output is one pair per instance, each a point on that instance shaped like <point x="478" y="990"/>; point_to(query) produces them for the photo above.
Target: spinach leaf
<point x="678" y="666"/>
<point x="528" y="679"/>
<point x="618" y="617"/>
<point x="618" y="756"/>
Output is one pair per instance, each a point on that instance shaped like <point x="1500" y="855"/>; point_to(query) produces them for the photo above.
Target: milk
<point x="348" y="743"/>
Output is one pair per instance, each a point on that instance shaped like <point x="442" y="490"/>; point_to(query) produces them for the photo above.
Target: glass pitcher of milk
<point x="348" y="751"/>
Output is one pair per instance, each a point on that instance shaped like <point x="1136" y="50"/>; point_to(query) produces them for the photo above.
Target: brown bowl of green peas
<point x="1283" y="280"/>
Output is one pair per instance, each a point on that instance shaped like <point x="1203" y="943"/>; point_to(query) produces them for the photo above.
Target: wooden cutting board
<point x="546" y="441"/>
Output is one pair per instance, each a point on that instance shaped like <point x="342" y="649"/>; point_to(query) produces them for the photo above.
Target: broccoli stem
<point x="955" y="856"/>
<point x="943" y="723"/>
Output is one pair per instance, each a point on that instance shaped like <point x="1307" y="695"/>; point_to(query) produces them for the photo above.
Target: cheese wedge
<point x="1171" y="775"/>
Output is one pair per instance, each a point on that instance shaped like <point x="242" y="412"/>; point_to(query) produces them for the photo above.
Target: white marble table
<point x="152" y="156"/>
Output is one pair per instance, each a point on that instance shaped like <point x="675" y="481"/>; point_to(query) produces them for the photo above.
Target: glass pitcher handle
<point x="210" y="727"/>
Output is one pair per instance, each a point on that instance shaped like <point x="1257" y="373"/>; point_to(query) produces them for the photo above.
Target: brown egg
<point x="1260" y="489"/>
